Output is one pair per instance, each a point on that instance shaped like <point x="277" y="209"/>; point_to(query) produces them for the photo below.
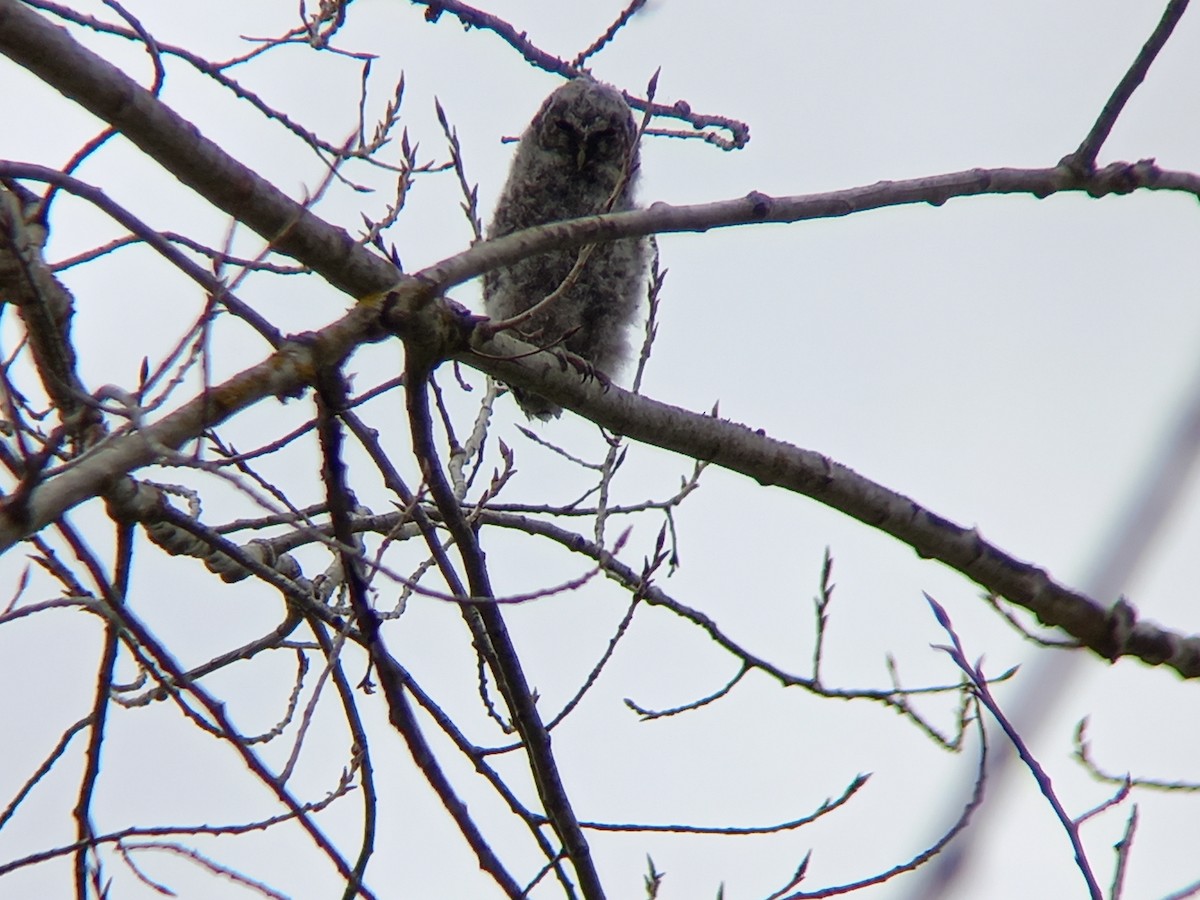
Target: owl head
<point x="586" y="124"/>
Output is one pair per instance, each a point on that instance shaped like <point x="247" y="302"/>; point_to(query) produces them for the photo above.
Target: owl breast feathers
<point x="569" y="161"/>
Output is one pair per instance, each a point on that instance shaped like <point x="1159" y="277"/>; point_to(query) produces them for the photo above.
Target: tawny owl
<point x="570" y="159"/>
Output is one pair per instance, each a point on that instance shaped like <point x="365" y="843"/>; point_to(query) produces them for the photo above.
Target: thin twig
<point x="1084" y="158"/>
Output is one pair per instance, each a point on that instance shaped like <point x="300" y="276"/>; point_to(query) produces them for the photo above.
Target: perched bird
<point x="579" y="148"/>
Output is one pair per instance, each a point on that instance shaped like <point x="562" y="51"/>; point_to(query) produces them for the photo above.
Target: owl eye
<point x="561" y="136"/>
<point x="601" y="143"/>
<point x="568" y="134"/>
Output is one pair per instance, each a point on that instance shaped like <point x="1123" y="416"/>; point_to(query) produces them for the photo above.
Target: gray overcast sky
<point x="1009" y="363"/>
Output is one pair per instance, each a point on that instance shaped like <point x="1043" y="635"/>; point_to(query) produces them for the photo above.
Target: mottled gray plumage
<point x="568" y="162"/>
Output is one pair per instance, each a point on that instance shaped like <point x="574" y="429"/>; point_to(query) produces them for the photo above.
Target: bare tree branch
<point x="1084" y="158"/>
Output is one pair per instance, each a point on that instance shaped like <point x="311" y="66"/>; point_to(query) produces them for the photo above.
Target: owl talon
<point x="583" y="366"/>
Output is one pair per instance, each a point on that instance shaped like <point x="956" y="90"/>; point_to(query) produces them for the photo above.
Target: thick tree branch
<point x="1110" y="632"/>
<point x="45" y="305"/>
<point x="757" y="208"/>
<point x="493" y="640"/>
<point x="331" y="401"/>
<point x="283" y="373"/>
<point x="94" y="83"/>
<point x="174" y="143"/>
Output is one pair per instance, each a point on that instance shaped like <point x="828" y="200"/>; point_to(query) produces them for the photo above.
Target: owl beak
<point x="581" y="158"/>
